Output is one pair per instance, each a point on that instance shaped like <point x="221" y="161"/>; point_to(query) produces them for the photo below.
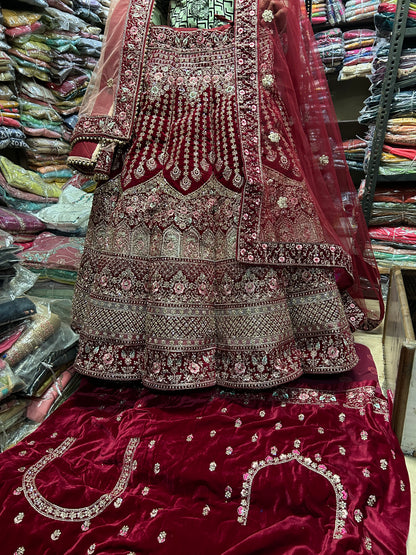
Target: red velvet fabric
<point x="309" y="469"/>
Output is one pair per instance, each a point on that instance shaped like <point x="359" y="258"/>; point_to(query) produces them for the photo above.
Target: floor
<point x="373" y="341"/>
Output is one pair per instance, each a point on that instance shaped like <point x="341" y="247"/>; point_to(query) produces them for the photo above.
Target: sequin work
<point x="160" y="296"/>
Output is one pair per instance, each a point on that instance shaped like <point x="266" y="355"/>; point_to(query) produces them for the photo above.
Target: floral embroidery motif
<point x="364" y="435"/>
<point x="118" y="502"/>
<point x="212" y="466"/>
<point x="383" y="464"/>
<point x="91" y="549"/>
<point x="274" y="137"/>
<point x="371" y="501"/>
<point x="50" y="510"/>
<point x="229" y="450"/>
<point x="124" y="531"/>
<point x="190" y="437"/>
<point x="324" y="160"/>
<point x="368" y="544"/>
<point x="18" y="518"/>
<point x="366" y="473"/>
<point x="156" y="468"/>
<point x="19" y="551"/>
<point x="85" y="525"/>
<point x="267" y="16"/>
<point x="145" y="491"/>
<point x="56" y="535"/>
<point x="358" y="515"/>
<point x="228" y="492"/>
<point x="161" y="537"/>
<point x="206" y="510"/>
<point x="402" y="486"/>
<point x="267" y="81"/>
<point x="340" y="493"/>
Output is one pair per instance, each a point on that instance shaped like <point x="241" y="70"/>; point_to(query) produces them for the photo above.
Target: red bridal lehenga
<point x="160" y="295"/>
<point x="215" y="256"/>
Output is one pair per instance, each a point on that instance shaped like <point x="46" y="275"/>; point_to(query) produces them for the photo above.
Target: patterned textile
<point x="309" y="469"/>
<point x="199" y="13"/>
<point x="53" y="252"/>
<point x="175" y="309"/>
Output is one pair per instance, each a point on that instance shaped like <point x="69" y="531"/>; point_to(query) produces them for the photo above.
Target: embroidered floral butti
<point x="314" y="467"/>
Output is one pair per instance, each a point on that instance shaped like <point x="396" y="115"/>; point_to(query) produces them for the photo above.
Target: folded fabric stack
<point x="54" y="257"/>
<point x="24" y="189"/>
<point x="360" y="10"/>
<point x="384" y="18"/>
<point x="401" y="131"/>
<point x="11" y="134"/>
<point x="331" y="49"/>
<point x="355" y="150"/>
<point x="14" y="320"/>
<point x="37" y="349"/>
<point x="403" y="105"/>
<point x="394" y="207"/>
<point x="359" y="53"/>
<point x="22" y="226"/>
<point x="335" y="12"/>
<point x="319" y="13"/>
<point x="394" y="245"/>
<point x="407" y="65"/>
<point x="397" y="160"/>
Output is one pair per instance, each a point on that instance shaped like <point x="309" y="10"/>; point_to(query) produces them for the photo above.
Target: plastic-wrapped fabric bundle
<point x="358" y="53"/>
<point x="387" y="256"/>
<point x="354" y="150"/>
<point x="403" y="104"/>
<point x="70" y="214"/>
<point x="335" y="12"/>
<point x="54" y="257"/>
<point x="359" y="10"/>
<point x="319" y="13"/>
<point x="407" y="65"/>
<point x="384" y="18"/>
<point x="331" y="49"/>
<point x="27" y="180"/>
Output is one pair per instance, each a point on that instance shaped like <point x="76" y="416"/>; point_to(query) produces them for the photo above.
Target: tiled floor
<point x="374" y="343"/>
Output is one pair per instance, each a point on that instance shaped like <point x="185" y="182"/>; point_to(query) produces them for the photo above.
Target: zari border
<point x="319" y="468"/>
<point x="50" y="510"/>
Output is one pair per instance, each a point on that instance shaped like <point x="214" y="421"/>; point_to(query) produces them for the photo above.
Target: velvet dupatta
<point x="272" y="66"/>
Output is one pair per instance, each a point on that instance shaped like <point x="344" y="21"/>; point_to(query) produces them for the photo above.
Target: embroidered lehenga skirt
<point x="160" y="296"/>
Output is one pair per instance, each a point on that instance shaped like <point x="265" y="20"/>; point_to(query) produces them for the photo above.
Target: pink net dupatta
<point x="299" y="87"/>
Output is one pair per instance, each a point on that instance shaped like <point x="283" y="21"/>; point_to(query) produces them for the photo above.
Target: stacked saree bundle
<point x="15" y="317"/>
<point x="355" y="150"/>
<point x="398" y="160"/>
<point x="54" y="257"/>
<point x="37" y="353"/>
<point x="394" y="245"/>
<point x="407" y="65"/>
<point x="331" y="49"/>
<point x="335" y="12"/>
<point x="359" y="53"/>
<point x="402" y="105"/>
<point x="360" y="10"/>
<point x="24" y="189"/>
<point x="394" y="207"/>
<point x="319" y="13"/>
<point x="384" y="18"/>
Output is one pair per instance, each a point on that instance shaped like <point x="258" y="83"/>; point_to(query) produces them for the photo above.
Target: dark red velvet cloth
<point x="311" y="469"/>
